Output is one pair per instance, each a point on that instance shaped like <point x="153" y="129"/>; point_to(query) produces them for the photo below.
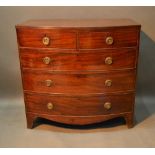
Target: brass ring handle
<point x="50" y="106"/>
<point x="109" y="40"/>
<point x="46" y="40"/>
<point x="108" y="83"/>
<point x="107" y="105"/>
<point x="46" y="60"/>
<point x="108" y="60"/>
<point x="48" y="83"/>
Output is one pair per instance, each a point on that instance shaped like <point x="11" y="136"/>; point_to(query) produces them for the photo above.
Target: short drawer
<point x="109" y="38"/>
<point x="110" y="59"/>
<point x="46" y="38"/>
<point x="79" y="106"/>
<point x="81" y="82"/>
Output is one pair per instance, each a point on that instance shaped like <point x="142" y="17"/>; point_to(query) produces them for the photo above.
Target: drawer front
<point x="79" y="106"/>
<point x="83" y="60"/>
<point x="110" y="38"/>
<point x="46" y="38"/>
<point x="82" y="82"/>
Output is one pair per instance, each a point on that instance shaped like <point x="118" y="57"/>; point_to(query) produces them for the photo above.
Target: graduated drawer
<point x="79" y="60"/>
<point x="79" y="106"/>
<point x="46" y="38"/>
<point x="81" y="82"/>
<point x="109" y="38"/>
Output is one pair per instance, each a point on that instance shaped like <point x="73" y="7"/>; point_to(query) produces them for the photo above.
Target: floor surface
<point x="114" y="133"/>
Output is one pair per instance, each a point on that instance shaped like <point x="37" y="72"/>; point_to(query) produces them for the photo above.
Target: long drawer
<point x="110" y="59"/>
<point x="78" y="82"/>
<point x="79" y="106"/>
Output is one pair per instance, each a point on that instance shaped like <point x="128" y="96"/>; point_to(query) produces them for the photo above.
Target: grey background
<point x="10" y="78"/>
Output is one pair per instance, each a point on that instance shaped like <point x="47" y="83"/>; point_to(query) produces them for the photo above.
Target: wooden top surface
<point x="77" y="23"/>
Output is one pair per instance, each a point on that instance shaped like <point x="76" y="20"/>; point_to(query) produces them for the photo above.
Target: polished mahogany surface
<point x="81" y="82"/>
<point x="58" y="38"/>
<point x="79" y="60"/>
<point x="123" y="37"/>
<point x="79" y="71"/>
<point x="79" y="105"/>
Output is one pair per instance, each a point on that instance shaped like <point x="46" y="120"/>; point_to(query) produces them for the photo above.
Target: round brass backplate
<point x="108" y="60"/>
<point x="46" y="40"/>
<point x="50" y="106"/>
<point x="46" y="60"/>
<point x="108" y="83"/>
<point x="48" y="83"/>
<point x="109" y="40"/>
<point x="107" y="105"/>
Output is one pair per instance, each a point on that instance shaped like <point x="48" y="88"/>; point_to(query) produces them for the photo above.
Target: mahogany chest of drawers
<point x="79" y="71"/>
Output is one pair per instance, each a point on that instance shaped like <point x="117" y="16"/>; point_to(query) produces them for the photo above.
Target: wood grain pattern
<point x="79" y="106"/>
<point x="126" y="37"/>
<point x="58" y="38"/>
<point x="82" y="82"/>
<point x="78" y="60"/>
